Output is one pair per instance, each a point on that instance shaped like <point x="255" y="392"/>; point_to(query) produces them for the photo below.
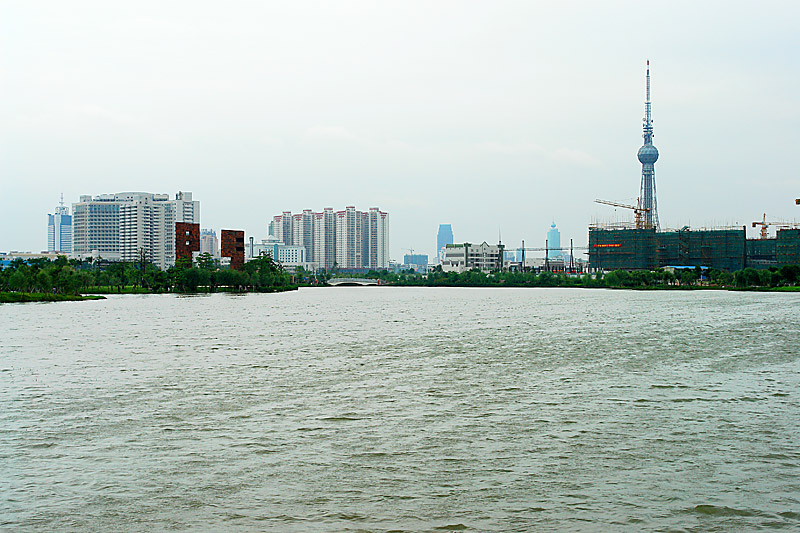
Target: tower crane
<point x="765" y="225"/>
<point x="638" y="210"/>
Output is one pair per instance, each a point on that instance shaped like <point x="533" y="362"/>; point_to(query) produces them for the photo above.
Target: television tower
<point x="648" y="155"/>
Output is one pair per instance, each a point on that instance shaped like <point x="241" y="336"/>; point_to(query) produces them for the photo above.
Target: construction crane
<point x="638" y="210"/>
<point x="765" y="225"/>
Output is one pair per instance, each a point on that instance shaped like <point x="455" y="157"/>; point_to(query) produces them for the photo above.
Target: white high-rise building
<point x="282" y="227"/>
<point x="95" y="227"/>
<point x="325" y="238"/>
<point x="124" y="225"/>
<point x="347" y="239"/>
<point x="186" y="209"/>
<point x="59" y="230"/>
<point x="349" y="245"/>
<point x="147" y="226"/>
<point x="376" y="232"/>
<point x="303" y="231"/>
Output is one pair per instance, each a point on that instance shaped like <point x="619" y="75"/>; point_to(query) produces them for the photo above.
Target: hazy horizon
<point x="497" y="118"/>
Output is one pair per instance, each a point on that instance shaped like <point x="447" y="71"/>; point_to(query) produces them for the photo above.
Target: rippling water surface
<point x="377" y="409"/>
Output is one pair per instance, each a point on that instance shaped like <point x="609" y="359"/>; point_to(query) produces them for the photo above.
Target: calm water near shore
<point x="384" y="408"/>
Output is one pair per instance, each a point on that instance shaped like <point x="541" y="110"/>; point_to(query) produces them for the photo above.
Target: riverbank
<point x="651" y="288"/>
<point x="198" y="290"/>
<point x="27" y="297"/>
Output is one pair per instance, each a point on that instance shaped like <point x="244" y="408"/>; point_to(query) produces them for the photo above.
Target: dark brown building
<point x="232" y="243"/>
<point x="187" y="240"/>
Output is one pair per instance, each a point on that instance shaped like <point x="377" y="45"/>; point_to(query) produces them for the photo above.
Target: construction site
<point x="644" y="245"/>
<point x="631" y="248"/>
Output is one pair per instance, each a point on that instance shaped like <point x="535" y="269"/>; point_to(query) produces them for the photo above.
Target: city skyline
<point x="522" y="112"/>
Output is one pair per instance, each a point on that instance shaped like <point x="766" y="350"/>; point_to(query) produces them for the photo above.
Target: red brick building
<point x="187" y="240"/>
<point x="232" y="243"/>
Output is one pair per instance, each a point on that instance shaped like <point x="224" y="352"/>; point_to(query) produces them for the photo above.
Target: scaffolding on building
<point x="616" y="246"/>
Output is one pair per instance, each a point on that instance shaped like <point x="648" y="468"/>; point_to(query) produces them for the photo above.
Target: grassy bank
<point x="24" y="297"/>
<point x="198" y="290"/>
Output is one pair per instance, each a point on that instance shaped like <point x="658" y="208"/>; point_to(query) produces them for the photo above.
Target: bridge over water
<point x="352" y="282"/>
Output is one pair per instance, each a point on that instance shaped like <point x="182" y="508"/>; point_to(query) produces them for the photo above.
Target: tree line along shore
<point x="786" y="278"/>
<point x="68" y="279"/>
<point x="45" y="280"/>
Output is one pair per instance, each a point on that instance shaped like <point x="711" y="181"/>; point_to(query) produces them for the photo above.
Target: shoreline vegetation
<point x="29" y="297"/>
<point x="784" y="279"/>
<point x="62" y="279"/>
<point x="43" y="280"/>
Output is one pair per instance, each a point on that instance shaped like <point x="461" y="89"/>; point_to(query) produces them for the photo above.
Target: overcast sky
<point x="493" y="116"/>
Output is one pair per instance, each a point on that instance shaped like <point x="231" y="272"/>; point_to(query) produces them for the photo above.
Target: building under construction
<point x="648" y="249"/>
<point x="615" y="247"/>
<point x="643" y="246"/>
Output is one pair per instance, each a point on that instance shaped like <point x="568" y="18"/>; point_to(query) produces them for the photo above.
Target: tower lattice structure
<point x="648" y="155"/>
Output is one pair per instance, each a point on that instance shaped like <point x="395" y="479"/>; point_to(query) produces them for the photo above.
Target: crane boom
<point x="765" y="225"/>
<point x="638" y="210"/>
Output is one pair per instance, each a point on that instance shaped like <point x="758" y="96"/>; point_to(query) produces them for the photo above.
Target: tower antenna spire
<point x="648" y="118"/>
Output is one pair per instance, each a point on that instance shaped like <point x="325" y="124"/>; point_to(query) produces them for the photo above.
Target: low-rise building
<point x="288" y="255"/>
<point x="466" y="256"/>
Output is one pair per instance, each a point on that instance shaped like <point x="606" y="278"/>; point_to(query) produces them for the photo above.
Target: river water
<point x="389" y="409"/>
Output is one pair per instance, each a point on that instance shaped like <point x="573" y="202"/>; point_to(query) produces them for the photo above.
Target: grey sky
<point x="487" y="115"/>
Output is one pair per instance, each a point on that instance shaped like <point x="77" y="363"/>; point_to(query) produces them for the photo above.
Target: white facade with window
<point x="462" y="257"/>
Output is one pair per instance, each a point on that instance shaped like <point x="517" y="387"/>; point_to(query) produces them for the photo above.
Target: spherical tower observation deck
<point x="648" y="155"/>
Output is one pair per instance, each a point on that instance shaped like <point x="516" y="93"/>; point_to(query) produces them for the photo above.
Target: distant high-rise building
<point x="123" y="226"/>
<point x="303" y="231"/>
<point x="349" y="246"/>
<point x="209" y="243"/>
<point x="554" y="241"/>
<point x="443" y="238"/>
<point x="283" y="227"/>
<point x="347" y="238"/>
<point x="324" y="239"/>
<point x="59" y="229"/>
<point x="376" y="238"/>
